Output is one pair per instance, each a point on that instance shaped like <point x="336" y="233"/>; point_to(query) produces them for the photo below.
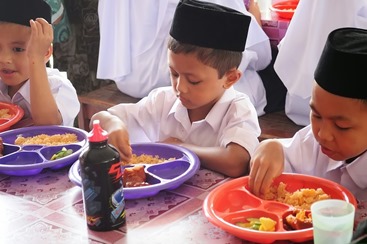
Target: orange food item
<point x="146" y="159"/>
<point x="299" y="219"/>
<point x="134" y="176"/>
<point x="300" y="199"/>
<point x="4" y="113"/>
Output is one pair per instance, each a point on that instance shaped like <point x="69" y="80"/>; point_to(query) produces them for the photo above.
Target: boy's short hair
<point x="343" y="63"/>
<point x="221" y="60"/>
<point x="22" y="11"/>
<point x="210" y="25"/>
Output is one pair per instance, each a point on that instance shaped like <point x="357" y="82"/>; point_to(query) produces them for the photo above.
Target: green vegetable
<point x="62" y="153"/>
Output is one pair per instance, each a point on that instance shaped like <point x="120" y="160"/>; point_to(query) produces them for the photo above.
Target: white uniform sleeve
<point x="65" y="96"/>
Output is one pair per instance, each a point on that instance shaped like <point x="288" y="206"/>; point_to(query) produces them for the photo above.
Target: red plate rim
<point x="278" y="7"/>
<point x="14" y="109"/>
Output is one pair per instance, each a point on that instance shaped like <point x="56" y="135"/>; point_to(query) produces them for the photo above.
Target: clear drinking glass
<point x="333" y="221"/>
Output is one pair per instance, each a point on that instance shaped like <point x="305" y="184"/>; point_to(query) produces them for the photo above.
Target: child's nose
<point x="325" y="133"/>
<point x="5" y="57"/>
<point x="181" y="85"/>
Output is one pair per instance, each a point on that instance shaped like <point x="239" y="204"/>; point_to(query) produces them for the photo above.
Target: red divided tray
<point x="284" y="9"/>
<point x="232" y="202"/>
<point x="16" y="113"/>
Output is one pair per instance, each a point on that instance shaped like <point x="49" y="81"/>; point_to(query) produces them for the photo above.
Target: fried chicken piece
<point x="300" y="219"/>
<point x="134" y="176"/>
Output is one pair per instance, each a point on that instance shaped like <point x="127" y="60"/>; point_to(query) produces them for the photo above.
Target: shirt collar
<point x="3" y="88"/>
<point x="357" y="171"/>
<point x="24" y="91"/>
<point x="218" y="111"/>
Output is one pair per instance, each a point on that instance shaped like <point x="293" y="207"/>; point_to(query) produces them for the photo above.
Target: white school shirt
<point x="63" y="91"/>
<point x="161" y="115"/>
<point x="302" y="45"/>
<point x="133" y="47"/>
<point x="303" y="155"/>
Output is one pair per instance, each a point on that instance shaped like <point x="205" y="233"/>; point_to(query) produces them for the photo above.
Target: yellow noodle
<point x="4" y="113"/>
<point x="146" y="159"/>
<point x="302" y="198"/>
<point x="49" y="140"/>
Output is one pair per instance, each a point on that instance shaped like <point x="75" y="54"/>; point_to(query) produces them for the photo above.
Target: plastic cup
<point x="333" y="221"/>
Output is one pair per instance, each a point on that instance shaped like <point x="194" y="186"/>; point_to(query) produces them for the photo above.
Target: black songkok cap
<point x="21" y="11"/>
<point x="210" y="25"/>
<point x="343" y="63"/>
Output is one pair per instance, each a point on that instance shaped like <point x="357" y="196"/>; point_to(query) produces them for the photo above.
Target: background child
<point x="201" y="111"/>
<point x="47" y="97"/>
<point x="334" y="145"/>
<point x="301" y="47"/>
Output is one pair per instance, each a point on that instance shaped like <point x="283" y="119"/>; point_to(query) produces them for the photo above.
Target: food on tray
<point x="49" y="140"/>
<point x="134" y="176"/>
<point x="146" y="159"/>
<point x="62" y="153"/>
<point x="300" y="199"/>
<point x="261" y="224"/>
<point x="4" y="113"/>
<point x="298" y="220"/>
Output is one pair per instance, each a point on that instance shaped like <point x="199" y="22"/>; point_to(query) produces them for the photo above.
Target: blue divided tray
<point x="32" y="159"/>
<point x="163" y="176"/>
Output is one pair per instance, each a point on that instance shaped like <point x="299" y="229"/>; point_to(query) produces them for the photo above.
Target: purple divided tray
<point x="163" y="176"/>
<point x="32" y="159"/>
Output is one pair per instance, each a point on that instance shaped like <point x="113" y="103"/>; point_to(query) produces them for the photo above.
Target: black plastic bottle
<point x="101" y="175"/>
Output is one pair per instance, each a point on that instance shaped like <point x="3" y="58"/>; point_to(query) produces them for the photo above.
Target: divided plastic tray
<point x="16" y="113"/>
<point x="163" y="176"/>
<point x="233" y="202"/>
<point x="32" y="159"/>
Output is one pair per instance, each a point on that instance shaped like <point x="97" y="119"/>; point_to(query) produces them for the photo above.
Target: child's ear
<point x="232" y="76"/>
<point x="49" y="53"/>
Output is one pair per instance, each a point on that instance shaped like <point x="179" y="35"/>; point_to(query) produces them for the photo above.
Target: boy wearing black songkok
<point x="201" y="110"/>
<point x="46" y="95"/>
<point x="334" y="146"/>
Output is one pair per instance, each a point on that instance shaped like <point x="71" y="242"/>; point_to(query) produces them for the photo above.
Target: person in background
<point x="133" y="53"/>
<point x="301" y="47"/>
<point x="46" y="95"/>
<point x="334" y="145"/>
<point x="200" y="110"/>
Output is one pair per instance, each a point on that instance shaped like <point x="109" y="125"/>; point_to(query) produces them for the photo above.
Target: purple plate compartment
<point x="32" y="159"/>
<point x="163" y="176"/>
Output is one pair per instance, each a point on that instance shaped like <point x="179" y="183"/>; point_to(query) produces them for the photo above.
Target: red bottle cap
<point x="97" y="134"/>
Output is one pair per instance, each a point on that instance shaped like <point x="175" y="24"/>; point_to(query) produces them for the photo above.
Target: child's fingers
<point x="257" y="182"/>
<point x="125" y="152"/>
<point x="120" y="141"/>
<point x="41" y="27"/>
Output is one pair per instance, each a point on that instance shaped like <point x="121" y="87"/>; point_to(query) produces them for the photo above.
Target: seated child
<point x="307" y="33"/>
<point x="46" y="96"/>
<point x="334" y="145"/>
<point x="200" y="110"/>
<point x="133" y="47"/>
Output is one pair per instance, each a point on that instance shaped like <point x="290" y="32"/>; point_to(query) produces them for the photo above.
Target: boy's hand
<point x="41" y="38"/>
<point x="266" y="164"/>
<point x="118" y="135"/>
<point x="120" y="140"/>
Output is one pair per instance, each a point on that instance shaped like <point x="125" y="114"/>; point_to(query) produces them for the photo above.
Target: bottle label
<point x="104" y="201"/>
